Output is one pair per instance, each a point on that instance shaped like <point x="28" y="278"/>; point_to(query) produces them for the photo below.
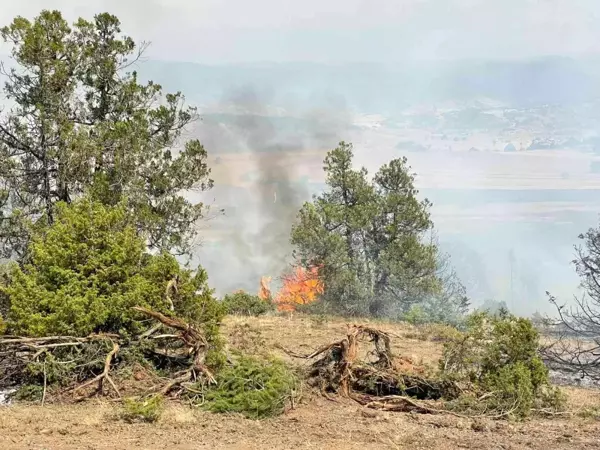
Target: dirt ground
<point x="314" y="423"/>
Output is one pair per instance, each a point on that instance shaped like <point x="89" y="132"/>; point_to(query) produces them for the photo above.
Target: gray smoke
<point x="276" y="145"/>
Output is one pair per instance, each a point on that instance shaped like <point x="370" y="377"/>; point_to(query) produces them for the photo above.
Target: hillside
<point x="379" y="87"/>
<point x="315" y="422"/>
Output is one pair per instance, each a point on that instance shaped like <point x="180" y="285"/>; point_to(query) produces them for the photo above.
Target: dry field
<point x="314" y="423"/>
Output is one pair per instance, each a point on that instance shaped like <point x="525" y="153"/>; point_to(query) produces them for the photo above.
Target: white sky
<point x="221" y="31"/>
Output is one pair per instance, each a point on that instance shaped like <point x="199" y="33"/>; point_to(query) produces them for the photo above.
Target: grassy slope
<point x="314" y="423"/>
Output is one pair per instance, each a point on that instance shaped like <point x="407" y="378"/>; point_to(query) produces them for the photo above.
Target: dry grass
<point x="315" y="423"/>
<point x="304" y="334"/>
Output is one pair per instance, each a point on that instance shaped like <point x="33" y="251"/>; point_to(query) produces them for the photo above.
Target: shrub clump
<point x="85" y="272"/>
<point x="142" y="410"/>
<point x="254" y="387"/>
<point x="416" y="315"/>
<point x="498" y="357"/>
<point x="74" y="298"/>
<point x="244" y="304"/>
<point x="28" y="393"/>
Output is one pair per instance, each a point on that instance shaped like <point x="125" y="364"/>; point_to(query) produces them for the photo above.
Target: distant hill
<point x="379" y="88"/>
<point x="385" y="89"/>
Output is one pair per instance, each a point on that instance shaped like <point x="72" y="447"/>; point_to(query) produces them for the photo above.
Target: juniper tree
<point x="369" y="238"/>
<point x="89" y="269"/>
<point x="79" y="122"/>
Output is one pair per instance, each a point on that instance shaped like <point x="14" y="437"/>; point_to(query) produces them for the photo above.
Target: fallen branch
<point x="168" y="321"/>
<point x="310" y="355"/>
<point x="407" y="404"/>
<point x="387" y="382"/>
<point x="192" y="338"/>
<point x="89" y="362"/>
<point x="190" y="335"/>
<point x="549" y="412"/>
<point x="45" y="385"/>
<point x="150" y="331"/>
<point x="176" y="381"/>
<point x="104" y="375"/>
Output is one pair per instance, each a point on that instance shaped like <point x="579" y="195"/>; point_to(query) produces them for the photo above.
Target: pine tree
<point x="80" y="123"/>
<point x="368" y="238"/>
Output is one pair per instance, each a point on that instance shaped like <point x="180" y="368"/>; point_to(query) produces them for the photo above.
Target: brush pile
<point x="75" y="368"/>
<point x="91" y="310"/>
<point x="375" y="378"/>
<point x="491" y="370"/>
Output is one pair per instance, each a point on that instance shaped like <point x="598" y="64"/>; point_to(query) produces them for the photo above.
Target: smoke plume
<point x="272" y="150"/>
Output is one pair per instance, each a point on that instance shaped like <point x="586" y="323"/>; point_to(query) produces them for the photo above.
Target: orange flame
<point x="300" y="288"/>
<point x="264" y="292"/>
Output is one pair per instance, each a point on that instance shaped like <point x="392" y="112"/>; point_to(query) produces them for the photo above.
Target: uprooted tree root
<point x="73" y="365"/>
<point x="378" y="380"/>
<point x="196" y="347"/>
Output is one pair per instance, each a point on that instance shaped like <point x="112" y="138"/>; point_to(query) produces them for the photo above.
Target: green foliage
<point x="253" y="387"/>
<point x="368" y="238"/>
<point x="88" y="269"/>
<point x="494" y="308"/>
<point x="591" y="412"/>
<point x="415" y="315"/>
<point x="5" y="270"/>
<point x="82" y="123"/>
<point x="145" y="410"/>
<point x="244" y="304"/>
<point x="55" y="370"/>
<point x="29" y="393"/>
<point x="316" y="308"/>
<point x="442" y="309"/>
<point x="499" y="356"/>
<point x="447" y="305"/>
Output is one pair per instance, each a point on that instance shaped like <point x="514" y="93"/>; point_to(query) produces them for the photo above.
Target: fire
<point x="300" y="288"/>
<point x="264" y="291"/>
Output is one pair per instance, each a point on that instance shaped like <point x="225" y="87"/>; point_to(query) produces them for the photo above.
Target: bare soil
<point x="314" y="423"/>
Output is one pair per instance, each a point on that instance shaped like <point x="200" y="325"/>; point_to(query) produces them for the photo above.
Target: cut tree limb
<point x="407" y="404"/>
<point x="105" y="373"/>
<point x="195" y="341"/>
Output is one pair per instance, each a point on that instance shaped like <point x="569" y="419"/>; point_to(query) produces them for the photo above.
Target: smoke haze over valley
<point x="502" y="130"/>
<point x="488" y="200"/>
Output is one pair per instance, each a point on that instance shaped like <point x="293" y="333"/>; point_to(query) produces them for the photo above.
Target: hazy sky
<point x="220" y="31"/>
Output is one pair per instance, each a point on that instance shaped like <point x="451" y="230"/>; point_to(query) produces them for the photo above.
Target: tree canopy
<point x="369" y="238"/>
<point x="89" y="268"/>
<point x="449" y="304"/>
<point x="80" y="123"/>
